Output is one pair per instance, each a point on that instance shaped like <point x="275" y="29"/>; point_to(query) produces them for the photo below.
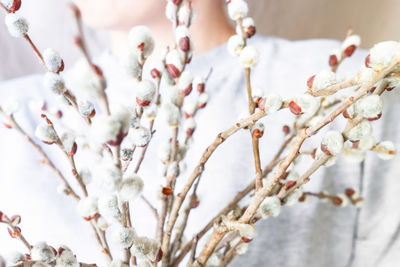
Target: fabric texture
<point x="305" y="234"/>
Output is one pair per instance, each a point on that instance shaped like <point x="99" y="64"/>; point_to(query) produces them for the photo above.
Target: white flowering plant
<point x="120" y="137"/>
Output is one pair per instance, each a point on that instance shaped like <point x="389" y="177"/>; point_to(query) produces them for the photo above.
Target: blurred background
<point x="51" y="26"/>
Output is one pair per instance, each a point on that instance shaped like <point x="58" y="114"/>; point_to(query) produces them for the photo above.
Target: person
<point x="305" y="234"/>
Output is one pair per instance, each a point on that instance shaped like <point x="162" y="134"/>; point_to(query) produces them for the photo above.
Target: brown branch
<point x="336" y="87"/>
<point x="46" y="159"/>
<point x="152" y="208"/>
<point x="200" y="168"/>
<point x="302" y="135"/>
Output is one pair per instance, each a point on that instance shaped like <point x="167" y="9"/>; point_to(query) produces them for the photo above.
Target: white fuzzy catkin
<point x="131" y="187"/>
<point x="370" y="106"/>
<point x="333" y="141"/>
<point x="186" y="14"/>
<point x="237" y="9"/>
<point x="258" y="126"/>
<point x="170" y="10"/>
<point x="366" y="143"/>
<point x="235" y="45"/>
<point x="181" y="32"/>
<point x="145" y="92"/>
<point x="140" y="136"/>
<point x="353" y="155"/>
<point x="189" y="107"/>
<point x="345" y="200"/>
<point x="360" y="131"/>
<point x="351" y="40"/>
<point x="337" y="53"/>
<point x="122" y="114"/>
<point x="87" y="206"/>
<point x="17" y="25"/>
<point x="271" y="206"/>
<point x="293" y="197"/>
<point x="273" y="103"/>
<point x="164" y="151"/>
<point x="54" y="82"/>
<point x="203" y="99"/>
<point x="102" y="223"/>
<point x="249" y="57"/>
<point x="174" y="58"/>
<point x="46" y="133"/>
<point x="189" y="124"/>
<point x="386" y="150"/>
<point x="42" y="252"/>
<point x="246" y="23"/>
<point x="150" y="112"/>
<point x="171" y="114"/>
<point x="105" y="128"/>
<point x="144" y="247"/>
<point x="248" y="231"/>
<point x="173" y="169"/>
<point x="382" y="54"/>
<point x="124" y="236"/>
<point x="185" y="81"/>
<point x="66" y="259"/>
<point x="108" y="208"/>
<point x="82" y="79"/>
<point x="86" y="175"/>
<point x="10" y="106"/>
<point x="141" y="40"/>
<point x="215" y="260"/>
<point x="68" y="141"/>
<point x="323" y="79"/>
<point x="308" y="104"/>
<point x="131" y="65"/>
<point x="86" y="108"/>
<point x="52" y="59"/>
<point x="107" y="176"/>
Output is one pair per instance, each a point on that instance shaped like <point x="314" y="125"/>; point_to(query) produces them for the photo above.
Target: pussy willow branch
<point x="81" y="44"/>
<point x="200" y="168"/>
<point x="151" y="207"/>
<point x="302" y="135"/>
<point x="168" y="200"/>
<point x="235" y="201"/>
<point x="17" y="234"/>
<point x="343" y="56"/>
<point x="155" y="101"/>
<point x="333" y="89"/>
<point x="252" y="108"/>
<point x="68" y="95"/>
<point x="178" y="237"/>
<point x="351" y="122"/>
<point x="46" y="159"/>
<point x="308" y="132"/>
<point x="71" y="161"/>
<point x="5" y="9"/>
<point x="101" y="239"/>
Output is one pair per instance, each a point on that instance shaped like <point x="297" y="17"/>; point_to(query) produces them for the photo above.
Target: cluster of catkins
<point x="309" y="109"/>
<point x="120" y="129"/>
<point x="114" y="135"/>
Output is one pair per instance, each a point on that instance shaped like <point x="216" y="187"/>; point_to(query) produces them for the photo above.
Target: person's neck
<point x="209" y="30"/>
